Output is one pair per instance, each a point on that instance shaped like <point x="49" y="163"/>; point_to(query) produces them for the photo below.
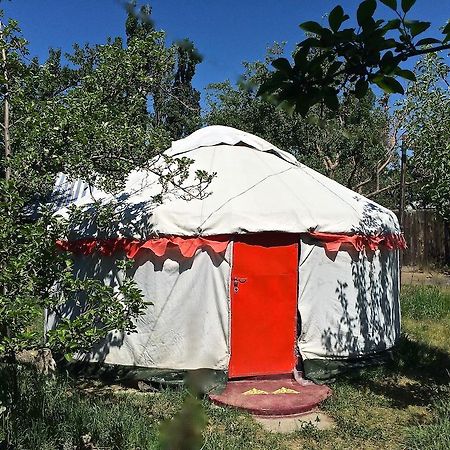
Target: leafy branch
<point x="332" y="60"/>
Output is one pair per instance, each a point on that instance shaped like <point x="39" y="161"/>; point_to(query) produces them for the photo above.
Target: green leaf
<point x="365" y="11"/>
<point x="361" y="88"/>
<point x="311" y="27"/>
<point x="336" y="18"/>
<point x="389" y="85"/>
<point x="313" y="119"/>
<point x="404" y="73"/>
<point x="309" y="42"/>
<point x="346" y="133"/>
<point x="407" y="5"/>
<point x="390" y="3"/>
<point x="446" y="31"/>
<point x="283" y="65"/>
<point x="302" y="104"/>
<point x="327" y="38"/>
<point x="334" y="67"/>
<point x="388" y="63"/>
<point x="386" y="43"/>
<point x="391" y="25"/>
<point x="416" y="26"/>
<point x="301" y="57"/>
<point x="428" y="41"/>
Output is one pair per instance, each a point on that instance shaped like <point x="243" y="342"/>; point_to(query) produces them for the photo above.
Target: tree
<point x="426" y="110"/>
<point x="182" y="107"/>
<point x="176" y="104"/>
<point x="43" y="125"/>
<point x="91" y="119"/>
<point x="332" y="60"/>
<point x="355" y="146"/>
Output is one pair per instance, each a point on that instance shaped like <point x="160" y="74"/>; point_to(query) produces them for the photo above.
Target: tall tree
<point x="182" y="107"/>
<point x="426" y="110"/>
<point x="91" y="119"/>
<point x="55" y="119"/>
<point x="175" y="103"/>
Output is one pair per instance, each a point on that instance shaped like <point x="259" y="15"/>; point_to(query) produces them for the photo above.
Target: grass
<point x="426" y="315"/>
<point x="425" y="302"/>
<point x="403" y="405"/>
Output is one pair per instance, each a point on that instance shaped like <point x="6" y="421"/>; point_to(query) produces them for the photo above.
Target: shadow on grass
<point x="417" y="375"/>
<point x="421" y="361"/>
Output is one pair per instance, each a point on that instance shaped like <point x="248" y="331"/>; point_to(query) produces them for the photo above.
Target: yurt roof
<point x="256" y="188"/>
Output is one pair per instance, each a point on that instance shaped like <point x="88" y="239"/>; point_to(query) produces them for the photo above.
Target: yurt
<point x="275" y="268"/>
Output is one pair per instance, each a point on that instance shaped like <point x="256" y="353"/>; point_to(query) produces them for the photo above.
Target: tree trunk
<point x="447" y="242"/>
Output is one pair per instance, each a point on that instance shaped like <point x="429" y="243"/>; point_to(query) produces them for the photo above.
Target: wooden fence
<point x="427" y="237"/>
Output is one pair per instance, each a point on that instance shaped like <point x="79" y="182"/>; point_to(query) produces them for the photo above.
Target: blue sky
<point x="226" y="32"/>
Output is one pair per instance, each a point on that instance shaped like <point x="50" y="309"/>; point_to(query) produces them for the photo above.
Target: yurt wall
<point x="348" y="302"/>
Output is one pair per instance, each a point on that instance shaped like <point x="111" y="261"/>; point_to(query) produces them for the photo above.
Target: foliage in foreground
<point x="357" y="56"/>
<point x="96" y="114"/>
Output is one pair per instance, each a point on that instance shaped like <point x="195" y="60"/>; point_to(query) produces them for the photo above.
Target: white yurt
<point x="271" y="268"/>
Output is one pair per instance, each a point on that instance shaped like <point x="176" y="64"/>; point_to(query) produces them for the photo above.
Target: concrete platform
<point x="290" y="424"/>
<point x="272" y="397"/>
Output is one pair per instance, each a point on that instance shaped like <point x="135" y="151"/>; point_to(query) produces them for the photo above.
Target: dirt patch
<point x="424" y="277"/>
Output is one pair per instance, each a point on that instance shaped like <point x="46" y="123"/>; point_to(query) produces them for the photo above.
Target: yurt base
<point x="272" y="397"/>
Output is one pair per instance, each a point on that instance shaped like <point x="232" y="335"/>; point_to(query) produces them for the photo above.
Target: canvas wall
<point x="348" y="301"/>
<point x="186" y="327"/>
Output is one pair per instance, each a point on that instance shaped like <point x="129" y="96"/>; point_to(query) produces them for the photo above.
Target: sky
<point x="226" y="32"/>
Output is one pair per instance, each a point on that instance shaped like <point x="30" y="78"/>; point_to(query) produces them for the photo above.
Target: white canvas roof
<point x="257" y="187"/>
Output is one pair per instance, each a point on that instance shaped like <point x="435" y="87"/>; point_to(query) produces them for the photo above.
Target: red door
<point x="264" y="305"/>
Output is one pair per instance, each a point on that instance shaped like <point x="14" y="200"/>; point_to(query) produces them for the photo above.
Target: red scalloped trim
<point x="333" y="242"/>
<point x="188" y="246"/>
<point x="106" y="247"/>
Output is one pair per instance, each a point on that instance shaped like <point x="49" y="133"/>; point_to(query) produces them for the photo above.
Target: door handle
<point x="236" y="281"/>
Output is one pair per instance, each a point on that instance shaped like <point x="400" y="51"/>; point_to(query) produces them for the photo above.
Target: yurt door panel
<point x="263" y="305"/>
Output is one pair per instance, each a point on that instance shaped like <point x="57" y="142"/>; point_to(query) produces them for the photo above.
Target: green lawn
<point x="404" y="405"/>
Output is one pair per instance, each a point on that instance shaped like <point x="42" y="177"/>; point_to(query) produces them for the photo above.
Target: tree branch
<point x="424" y="51"/>
<point x="378" y="170"/>
<point x="392" y="186"/>
<point x="353" y="172"/>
